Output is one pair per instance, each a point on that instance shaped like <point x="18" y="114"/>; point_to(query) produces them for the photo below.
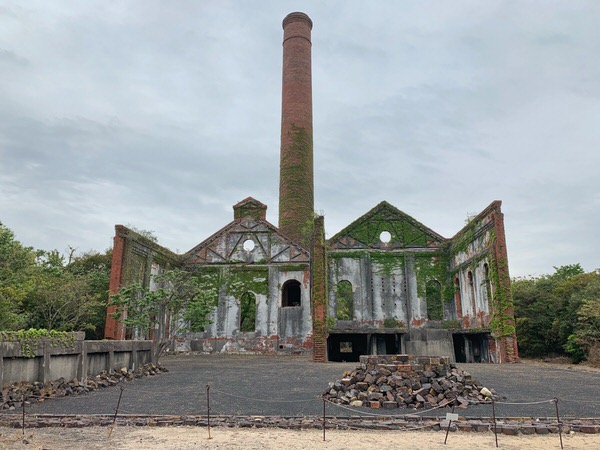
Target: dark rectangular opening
<point x="471" y="348"/>
<point x="347" y="347"/>
<point x="344" y="347"/>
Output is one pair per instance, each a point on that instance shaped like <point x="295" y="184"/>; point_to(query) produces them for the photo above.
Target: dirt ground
<point x="264" y="439"/>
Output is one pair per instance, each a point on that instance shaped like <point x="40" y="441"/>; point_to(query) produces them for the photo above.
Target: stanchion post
<point x="494" y="417"/>
<point x="116" y="412"/>
<point x="208" y="409"/>
<point x="559" y="422"/>
<point x="23" y="405"/>
<point x="449" y="423"/>
<point x="324" y="419"/>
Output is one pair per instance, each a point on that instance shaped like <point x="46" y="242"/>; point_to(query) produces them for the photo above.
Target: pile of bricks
<point x="407" y="381"/>
<point x="13" y="395"/>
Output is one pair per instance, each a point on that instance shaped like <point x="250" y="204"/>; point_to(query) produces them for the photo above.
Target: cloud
<point x="164" y="117"/>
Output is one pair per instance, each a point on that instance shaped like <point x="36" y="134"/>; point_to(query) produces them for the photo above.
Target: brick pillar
<point x="113" y="328"/>
<point x="319" y="291"/>
<point x="504" y="312"/>
<point x="296" y="196"/>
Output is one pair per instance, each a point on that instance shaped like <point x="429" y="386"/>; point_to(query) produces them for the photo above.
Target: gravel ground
<point x="290" y="386"/>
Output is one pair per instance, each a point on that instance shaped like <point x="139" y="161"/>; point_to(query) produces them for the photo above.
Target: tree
<point x="95" y="268"/>
<point x="17" y="263"/>
<point x="177" y="303"/>
<point x="65" y="297"/>
<point x="553" y="313"/>
<point x="584" y="342"/>
<point x="546" y="310"/>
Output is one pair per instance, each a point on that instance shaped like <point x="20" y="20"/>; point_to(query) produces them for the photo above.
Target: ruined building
<point x="384" y="284"/>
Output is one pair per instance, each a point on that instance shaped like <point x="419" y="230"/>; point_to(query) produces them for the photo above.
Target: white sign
<point x="450" y="416"/>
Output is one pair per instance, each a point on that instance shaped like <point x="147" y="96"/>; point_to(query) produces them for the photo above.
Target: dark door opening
<point x="387" y="344"/>
<point x="471" y="348"/>
<point x="347" y="347"/>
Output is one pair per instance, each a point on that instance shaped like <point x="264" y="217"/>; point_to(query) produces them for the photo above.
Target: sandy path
<point x="264" y="439"/>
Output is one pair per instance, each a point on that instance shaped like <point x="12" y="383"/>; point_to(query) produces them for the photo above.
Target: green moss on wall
<point x="296" y="210"/>
<point x="239" y="280"/>
<point x="403" y="233"/>
<point x="386" y="263"/>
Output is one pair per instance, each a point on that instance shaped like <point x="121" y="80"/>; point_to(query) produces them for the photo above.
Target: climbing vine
<point x="386" y="263"/>
<point x="240" y="280"/>
<point x="296" y="205"/>
<point x="502" y="323"/>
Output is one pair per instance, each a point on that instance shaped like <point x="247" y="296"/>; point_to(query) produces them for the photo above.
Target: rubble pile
<point x="13" y="395"/>
<point x="407" y="381"/>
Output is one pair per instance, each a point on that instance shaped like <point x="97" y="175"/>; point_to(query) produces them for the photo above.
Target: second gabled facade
<point x="395" y="285"/>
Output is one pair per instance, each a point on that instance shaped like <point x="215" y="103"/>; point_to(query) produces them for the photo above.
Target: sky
<point x="162" y="115"/>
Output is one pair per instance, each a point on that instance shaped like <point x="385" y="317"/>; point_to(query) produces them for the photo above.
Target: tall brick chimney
<point x="296" y="191"/>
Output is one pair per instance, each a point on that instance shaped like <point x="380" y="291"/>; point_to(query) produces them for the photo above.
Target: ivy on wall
<point x="29" y="339"/>
<point x="296" y="199"/>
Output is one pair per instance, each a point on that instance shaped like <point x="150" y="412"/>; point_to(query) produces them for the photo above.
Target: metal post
<point x="23" y="405"/>
<point x="494" y="416"/>
<point x="116" y="411"/>
<point x="208" y="408"/>
<point x="559" y="422"/>
<point x="449" y="423"/>
<point x="324" y="419"/>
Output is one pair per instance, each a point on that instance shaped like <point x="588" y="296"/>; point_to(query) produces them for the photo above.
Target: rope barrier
<point x="591" y="402"/>
<point x="261" y="399"/>
<point x="525" y="403"/>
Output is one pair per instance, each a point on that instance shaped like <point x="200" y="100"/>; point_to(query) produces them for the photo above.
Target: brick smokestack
<point x="296" y="192"/>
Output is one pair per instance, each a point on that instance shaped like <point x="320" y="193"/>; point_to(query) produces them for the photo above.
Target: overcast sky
<point x="162" y="115"/>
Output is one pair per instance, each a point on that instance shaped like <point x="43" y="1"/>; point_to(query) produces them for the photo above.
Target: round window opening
<point x="249" y="245"/>
<point x="385" y="237"/>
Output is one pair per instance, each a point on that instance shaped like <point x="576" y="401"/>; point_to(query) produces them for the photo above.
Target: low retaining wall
<point x="509" y="426"/>
<point x="83" y="359"/>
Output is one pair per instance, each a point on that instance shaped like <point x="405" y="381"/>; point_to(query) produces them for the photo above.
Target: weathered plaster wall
<point x="378" y="291"/>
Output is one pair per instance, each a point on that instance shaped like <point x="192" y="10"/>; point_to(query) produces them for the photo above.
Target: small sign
<point x="451" y="416"/>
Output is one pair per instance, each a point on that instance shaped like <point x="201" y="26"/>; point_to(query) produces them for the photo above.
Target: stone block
<point x="510" y="430"/>
<point x="375" y="404"/>
<point x="389" y="405"/>
<point x="375" y="396"/>
<point x="527" y="429"/>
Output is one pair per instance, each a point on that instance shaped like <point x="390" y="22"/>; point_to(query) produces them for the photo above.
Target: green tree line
<point x="44" y="289"/>
<point x="559" y="314"/>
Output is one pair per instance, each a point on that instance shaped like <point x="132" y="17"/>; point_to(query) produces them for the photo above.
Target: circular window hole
<point x="249" y="245"/>
<point x="385" y="237"/>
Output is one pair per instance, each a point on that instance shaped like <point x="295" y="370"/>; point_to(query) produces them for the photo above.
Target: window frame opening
<point x="247" y="303"/>
<point x="344" y="300"/>
<point x="290" y="298"/>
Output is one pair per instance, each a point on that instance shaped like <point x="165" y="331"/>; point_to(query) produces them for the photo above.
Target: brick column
<point x="113" y="328"/>
<point x="507" y="351"/>
<point x="319" y="291"/>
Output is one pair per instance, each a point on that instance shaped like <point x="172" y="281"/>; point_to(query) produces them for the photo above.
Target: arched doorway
<point x="291" y="294"/>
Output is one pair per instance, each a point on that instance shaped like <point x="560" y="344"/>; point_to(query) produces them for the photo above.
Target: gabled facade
<point x="395" y="286"/>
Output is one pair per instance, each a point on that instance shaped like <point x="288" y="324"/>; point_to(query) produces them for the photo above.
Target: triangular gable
<point x="226" y="246"/>
<point x="405" y="231"/>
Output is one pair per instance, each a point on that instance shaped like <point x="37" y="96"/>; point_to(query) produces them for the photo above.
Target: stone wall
<point x="83" y="359"/>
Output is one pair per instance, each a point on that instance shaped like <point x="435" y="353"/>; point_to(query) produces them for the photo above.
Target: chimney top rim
<point x="297" y="17"/>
